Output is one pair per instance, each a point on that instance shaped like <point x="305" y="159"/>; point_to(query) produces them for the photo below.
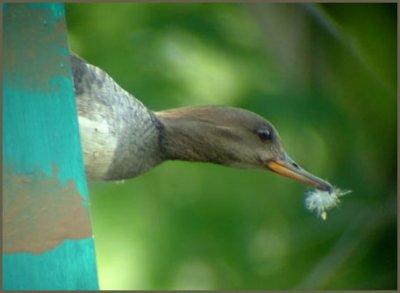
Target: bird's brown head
<point x="228" y="136"/>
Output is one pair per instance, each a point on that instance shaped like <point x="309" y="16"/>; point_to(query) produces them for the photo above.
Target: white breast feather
<point x="98" y="144"/>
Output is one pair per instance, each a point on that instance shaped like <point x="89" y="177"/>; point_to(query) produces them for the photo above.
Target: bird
<point x="121" y="138"/>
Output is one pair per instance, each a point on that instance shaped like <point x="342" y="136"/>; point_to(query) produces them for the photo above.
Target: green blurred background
<point x="325" y="75"/>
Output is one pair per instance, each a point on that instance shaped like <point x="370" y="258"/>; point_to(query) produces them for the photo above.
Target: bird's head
<point x="229" y="136"/>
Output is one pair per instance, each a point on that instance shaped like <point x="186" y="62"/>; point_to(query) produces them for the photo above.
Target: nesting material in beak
<point x="322" y="201"/>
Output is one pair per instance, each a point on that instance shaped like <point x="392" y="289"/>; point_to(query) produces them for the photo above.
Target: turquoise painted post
<point x="47" y="238"/>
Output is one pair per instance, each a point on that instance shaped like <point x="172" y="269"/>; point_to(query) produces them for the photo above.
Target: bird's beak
<point x="287" y="167"/>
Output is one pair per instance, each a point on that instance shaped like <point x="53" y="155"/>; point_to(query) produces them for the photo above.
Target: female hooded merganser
<point x="122" y="139"/>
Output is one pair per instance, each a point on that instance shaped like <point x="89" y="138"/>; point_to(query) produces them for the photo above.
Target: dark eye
<point x="265" y="134"/>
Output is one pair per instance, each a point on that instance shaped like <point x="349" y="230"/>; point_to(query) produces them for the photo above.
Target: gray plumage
<point x="119" y="134"/>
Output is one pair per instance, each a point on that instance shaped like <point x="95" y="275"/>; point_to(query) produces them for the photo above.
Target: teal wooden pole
<point x="47" y="238"/>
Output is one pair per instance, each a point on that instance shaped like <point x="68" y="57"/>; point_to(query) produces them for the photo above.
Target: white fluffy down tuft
<point x="322" y="201"/>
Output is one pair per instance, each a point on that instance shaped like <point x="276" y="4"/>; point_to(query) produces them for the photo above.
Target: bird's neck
<point x="188" y="137"/>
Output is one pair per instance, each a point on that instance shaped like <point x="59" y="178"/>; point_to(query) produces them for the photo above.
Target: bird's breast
<point x="99" y="145"/>
<point x="119" y="141"/>
<point x="119" y="134"/>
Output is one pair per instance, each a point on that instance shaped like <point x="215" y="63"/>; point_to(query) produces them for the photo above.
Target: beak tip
<point x="328" y="188"/>
<point x="294" y="171"/>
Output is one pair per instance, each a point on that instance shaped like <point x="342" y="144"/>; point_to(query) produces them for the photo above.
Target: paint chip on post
<point x="40" y="212"/>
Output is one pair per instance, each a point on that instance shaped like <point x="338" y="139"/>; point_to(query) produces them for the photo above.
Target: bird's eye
<point x="265" y="134"/>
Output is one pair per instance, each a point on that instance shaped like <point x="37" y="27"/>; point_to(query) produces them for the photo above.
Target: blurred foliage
<point x="325" y="75"/>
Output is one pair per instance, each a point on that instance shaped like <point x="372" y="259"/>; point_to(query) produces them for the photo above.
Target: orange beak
<point x="289" y="168"/>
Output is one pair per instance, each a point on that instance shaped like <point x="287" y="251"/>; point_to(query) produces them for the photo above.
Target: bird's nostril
<point x="295" y="165"/>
